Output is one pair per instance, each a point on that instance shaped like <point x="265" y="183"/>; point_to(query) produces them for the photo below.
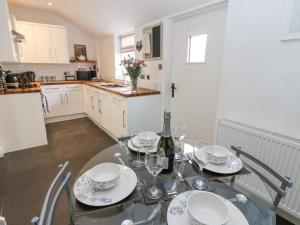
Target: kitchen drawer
<point x="117" y="100"/>
<point x="52" y="88"/>
<point x="72" y="87"/>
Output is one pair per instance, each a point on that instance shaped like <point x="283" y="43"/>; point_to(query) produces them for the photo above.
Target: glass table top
<point x="256" y="211"/>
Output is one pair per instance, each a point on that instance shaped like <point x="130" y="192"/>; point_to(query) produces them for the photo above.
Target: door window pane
<point x="196" y="48"/>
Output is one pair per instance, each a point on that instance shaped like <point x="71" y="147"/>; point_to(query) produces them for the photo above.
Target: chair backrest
<point x="59" y="185"/>
<point x="284" y="181"/>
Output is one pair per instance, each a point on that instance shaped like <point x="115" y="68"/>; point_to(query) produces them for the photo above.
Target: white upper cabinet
<point x="7" y="44"/>
<point x="44" y="43"/>
<point x="60" y="50"/>
<point x="27" y="48"/>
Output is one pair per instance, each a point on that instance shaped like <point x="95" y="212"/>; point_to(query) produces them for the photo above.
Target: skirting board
<point x="64" y="118"/>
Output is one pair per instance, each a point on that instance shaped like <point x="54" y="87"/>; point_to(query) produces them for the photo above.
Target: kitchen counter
<point x="123" y="90"/>
<point x="20" y="91"/>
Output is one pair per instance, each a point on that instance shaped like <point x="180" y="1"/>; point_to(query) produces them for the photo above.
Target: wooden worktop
<point x="124" y="91"/>
<point x="20" y="91"/>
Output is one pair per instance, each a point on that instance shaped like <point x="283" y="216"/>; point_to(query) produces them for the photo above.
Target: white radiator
<point x="280" y="152"/>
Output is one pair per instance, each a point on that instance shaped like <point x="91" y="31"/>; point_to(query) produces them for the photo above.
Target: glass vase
<point x="134" y="85"/>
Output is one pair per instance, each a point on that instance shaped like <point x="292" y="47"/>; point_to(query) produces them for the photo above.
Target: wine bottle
<point x="166" y="144"/>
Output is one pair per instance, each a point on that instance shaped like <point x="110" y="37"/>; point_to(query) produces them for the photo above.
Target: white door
<point x="196" y="70"/>
<point x="60" y="47"/>
<point x="27" y="47"/>
<point x="43" y="43"/>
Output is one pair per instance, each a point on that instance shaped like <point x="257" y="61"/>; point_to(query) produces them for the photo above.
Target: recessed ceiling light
<point x="50" y="4"/>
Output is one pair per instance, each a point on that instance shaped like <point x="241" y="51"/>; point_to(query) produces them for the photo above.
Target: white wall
<point x="261" y="74"/>
<point x="106" y="57"/>
<point x="75" y="36"/>
<point x="151" y="69"/>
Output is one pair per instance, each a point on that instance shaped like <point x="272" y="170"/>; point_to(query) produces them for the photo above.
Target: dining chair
<point x="59" y="185"/>
<point x="282" y="182"/>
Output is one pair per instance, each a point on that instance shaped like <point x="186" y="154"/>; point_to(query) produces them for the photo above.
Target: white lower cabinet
<point x="118" y="115"/>
<point x="62" y="100"/>
<point x="122" y="115"/>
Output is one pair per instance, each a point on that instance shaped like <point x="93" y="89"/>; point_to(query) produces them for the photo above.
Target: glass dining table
<point x="135" y="208"/>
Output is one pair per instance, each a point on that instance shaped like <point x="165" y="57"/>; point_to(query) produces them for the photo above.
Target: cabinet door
<point x="55" y="100"/>
<point x="43" y="43"/>
<point x="60" y="48"/>
<point x="27" y="47"/>
<point x="118" y="116"/>
<point x="73" y="99"/>
<point x="89" y="104"/>
<point x="104" y="109"/>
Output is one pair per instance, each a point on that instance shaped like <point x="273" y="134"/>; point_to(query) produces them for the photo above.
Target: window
<point x="127" y="48"/>
<point x="127" y="44"/>
<point x="196" y="48"/>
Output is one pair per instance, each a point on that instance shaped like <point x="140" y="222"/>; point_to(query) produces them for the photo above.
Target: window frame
<point x="189" y="48"/>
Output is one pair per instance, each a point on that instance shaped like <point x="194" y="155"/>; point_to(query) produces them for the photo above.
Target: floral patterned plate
<point x="178" y="215"/>
<point x="134" y="145"/>
<point x="85" y="192"/>
<point x="233" y="164"/>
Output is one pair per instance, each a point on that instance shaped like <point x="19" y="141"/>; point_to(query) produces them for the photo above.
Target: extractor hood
<point x="17" y="36"/>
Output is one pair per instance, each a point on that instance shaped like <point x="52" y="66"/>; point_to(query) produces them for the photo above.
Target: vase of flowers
<point x="134" y="69"/>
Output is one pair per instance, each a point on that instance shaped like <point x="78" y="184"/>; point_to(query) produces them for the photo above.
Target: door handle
<point x="173" y="88"/>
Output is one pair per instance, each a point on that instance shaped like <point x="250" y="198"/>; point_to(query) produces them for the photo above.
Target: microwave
<point x="85" y="75"/>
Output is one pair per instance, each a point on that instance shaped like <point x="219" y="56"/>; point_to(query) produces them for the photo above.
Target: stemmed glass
<point x="200" y="182"/>
<point x="137" y="163"/>
<point x="154" y="163"/>
<point x="179" y="132"/>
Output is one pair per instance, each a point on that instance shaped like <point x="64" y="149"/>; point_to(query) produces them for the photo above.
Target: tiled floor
<point x="25" y="175"/>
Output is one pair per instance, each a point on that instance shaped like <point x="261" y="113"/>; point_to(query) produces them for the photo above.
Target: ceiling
<point x="105" y="17"/>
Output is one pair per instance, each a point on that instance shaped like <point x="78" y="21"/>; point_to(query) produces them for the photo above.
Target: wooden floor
<point x="26" y="175"/>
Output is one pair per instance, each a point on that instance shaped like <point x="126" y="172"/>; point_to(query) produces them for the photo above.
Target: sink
<point x="111" y="85"/>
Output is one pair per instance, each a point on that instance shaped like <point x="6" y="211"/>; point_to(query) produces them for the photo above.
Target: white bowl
<point x="147" y="138"/>
<point x="206" y="208"/>
<point x="104" y="175"/>
<point x="216" y="154"/>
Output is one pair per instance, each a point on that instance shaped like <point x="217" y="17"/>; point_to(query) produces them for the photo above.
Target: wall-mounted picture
<point x="80" y="52"/>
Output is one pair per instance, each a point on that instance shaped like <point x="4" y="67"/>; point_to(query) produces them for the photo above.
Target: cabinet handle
<point x="61" y="97"/>
<point x="100" y="106"/>
<point x="124" y="119"/>
<point x="50" y="53"/>
<point x="92" y="102"/>
<point x="67" y="97"/>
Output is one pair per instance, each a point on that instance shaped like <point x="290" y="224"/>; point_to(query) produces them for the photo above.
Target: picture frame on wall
<point x="80" y="52"/>
<point x="291" y="26"/>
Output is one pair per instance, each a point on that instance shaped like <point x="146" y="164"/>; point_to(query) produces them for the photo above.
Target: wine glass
<point x="179" y="132"/>
<point x="200" y="182"/>
<point x="137" y="163"/>
<point x="154" y="163"/>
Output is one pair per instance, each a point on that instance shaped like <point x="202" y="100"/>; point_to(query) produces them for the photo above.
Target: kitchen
<point x="67" y="94"/>
<point x="137" y="109"/>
